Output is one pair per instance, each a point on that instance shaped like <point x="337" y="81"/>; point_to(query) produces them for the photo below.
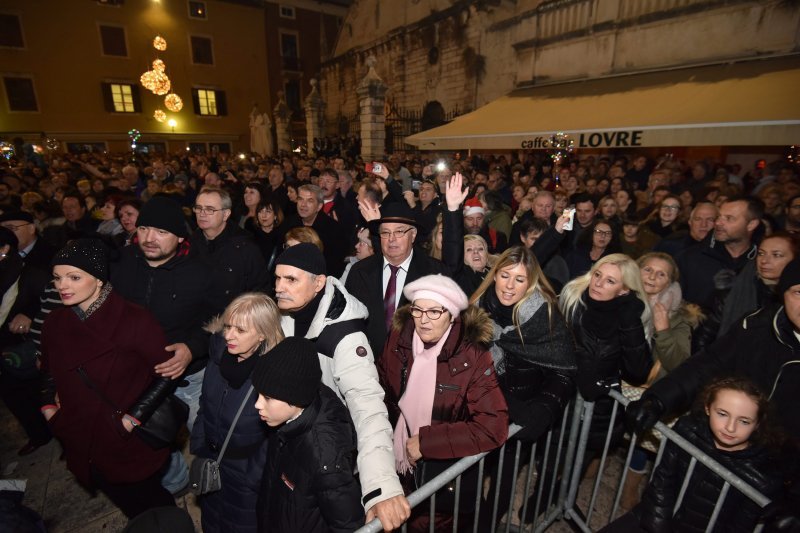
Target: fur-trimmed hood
<point x="476" y="322"/>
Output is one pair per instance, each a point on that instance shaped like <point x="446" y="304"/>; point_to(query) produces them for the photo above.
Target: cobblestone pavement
<point x="66" y="507"/>
<point x="52" y="491"/>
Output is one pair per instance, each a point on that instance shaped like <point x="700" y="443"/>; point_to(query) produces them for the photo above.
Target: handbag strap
<point x="85" y="378"/>
<point x="233" y="424"/>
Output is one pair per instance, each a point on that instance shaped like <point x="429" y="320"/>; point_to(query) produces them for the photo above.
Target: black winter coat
<point x="236" y="263"/>
<point x="178" y="293"/>
<point x="234" y="508"/>
<point x="700" y="264"/>
<point x="538" y="369"/>
<point x="309" y="484"/>
<point x="763" y="348"/>
<point x="754" y="465"/>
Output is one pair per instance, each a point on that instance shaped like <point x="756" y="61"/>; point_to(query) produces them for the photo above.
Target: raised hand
<point x="453" y="194"/>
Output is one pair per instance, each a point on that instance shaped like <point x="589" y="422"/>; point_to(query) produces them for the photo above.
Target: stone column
<point x="315" y="111"/>
<point x="371" y="98"/>
<point x="282" y="115"/>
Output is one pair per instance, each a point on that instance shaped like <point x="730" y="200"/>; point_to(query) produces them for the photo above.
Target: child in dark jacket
<point x="732" y="430"/>
<point x="308" y="482"/>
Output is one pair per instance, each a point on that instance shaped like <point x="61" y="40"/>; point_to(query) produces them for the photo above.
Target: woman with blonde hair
<point x="247" y="329"/>
<point x="606" y="308"/>
<point x="302" y="234"/>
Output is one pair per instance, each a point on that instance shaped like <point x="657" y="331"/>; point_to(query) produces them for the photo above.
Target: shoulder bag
<point x="204" y="472"/>
<point x="162" y="428"/>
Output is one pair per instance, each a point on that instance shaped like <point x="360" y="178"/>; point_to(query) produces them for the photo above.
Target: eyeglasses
<point x="15" y="227"/>
<point x="397" y="234"/>
<point x="206" y="210"/>
<point x="604" y="233"/>
<point x="433" y="314"/>
<point x="671" y="207"/>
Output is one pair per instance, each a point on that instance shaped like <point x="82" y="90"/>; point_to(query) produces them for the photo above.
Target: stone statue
<point x="260" y="133"/>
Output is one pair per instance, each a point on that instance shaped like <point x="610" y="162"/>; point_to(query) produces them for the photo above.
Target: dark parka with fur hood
<point x="469" y="410"/>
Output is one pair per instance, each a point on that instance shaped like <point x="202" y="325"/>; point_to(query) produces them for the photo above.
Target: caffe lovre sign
<point x="597" y="139"/>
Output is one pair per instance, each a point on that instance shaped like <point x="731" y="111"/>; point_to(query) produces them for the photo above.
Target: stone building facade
<point x="439" y="57"/>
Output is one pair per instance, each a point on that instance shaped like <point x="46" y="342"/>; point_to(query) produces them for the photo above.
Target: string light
<point x="173" y="102"/>
<point x="159" y="43"/>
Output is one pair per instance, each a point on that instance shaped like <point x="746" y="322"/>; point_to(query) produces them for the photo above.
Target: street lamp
<point x="171" y="123"/>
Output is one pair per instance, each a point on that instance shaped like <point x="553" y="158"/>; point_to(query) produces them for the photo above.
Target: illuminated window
<point x="209" y="102"/>
<point x="121" y="98"/>
<point x="197" y="10"/>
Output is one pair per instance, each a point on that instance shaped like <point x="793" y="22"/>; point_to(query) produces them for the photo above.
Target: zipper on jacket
<point x="445" y="386"/>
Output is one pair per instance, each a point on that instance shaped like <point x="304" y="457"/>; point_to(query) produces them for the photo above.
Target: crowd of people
<point x="334" y="332"/>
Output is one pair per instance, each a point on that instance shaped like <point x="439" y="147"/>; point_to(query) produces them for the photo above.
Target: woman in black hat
<point x="98" y="357"/>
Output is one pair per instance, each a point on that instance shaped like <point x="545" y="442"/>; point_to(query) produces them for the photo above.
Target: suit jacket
<point x="40" y="255"/>
<point x="365" y="282"/>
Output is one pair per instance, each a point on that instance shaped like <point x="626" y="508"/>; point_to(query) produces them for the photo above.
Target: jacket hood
<point x="692" y="313"/>
<point x="477" y="325"/>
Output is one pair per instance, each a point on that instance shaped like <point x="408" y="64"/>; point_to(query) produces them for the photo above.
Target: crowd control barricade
<point x="556" y="464"/>
<point x="583" y="518"/>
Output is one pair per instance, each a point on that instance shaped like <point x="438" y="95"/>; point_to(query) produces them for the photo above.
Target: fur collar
<point x="477" y="325"/>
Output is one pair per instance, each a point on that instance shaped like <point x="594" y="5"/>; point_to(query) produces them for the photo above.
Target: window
<point x="121" y="98"/>
<point x="86" y="147"/>
<point x="286" y="12"/>
<point x="20" y="94"/>
<point x="202" y="53"/>
<point x="11" y="31"/>
<point x="290" y="51"/>
<point x="197" y="10"/>
<point x="209" y="102"/>
<point x="220" y="148"/>
<point x="197" y="148"/>
<point x="112" y="39"/>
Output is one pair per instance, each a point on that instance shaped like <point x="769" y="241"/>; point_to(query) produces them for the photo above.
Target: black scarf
<point x="304" y="317"/>
<point x="236" y="372"/>
<point x="503" y="315"/>
<point x="602" y="318"/>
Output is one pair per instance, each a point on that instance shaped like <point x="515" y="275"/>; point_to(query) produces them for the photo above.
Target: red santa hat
<point x="473" y="207"/>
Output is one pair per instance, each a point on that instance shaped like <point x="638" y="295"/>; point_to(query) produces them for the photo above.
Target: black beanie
<point x="289" y="372"/>
<point x="90" y="255"/>
<point x="163" y="213"/>
<point x="789" y="277"/>
<point x="304" y="256"/>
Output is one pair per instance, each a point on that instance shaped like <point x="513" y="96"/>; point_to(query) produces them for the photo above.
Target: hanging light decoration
<point x="148" y="80"/>
<point x="159" y="115"/>
<point x="159" y="66"/>
<point x="159" y="43"/>
<point x="163" y="85"/>
<point x="173" y="102"/>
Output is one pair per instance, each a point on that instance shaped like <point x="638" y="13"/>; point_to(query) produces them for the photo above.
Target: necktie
<point x="389" y="297"/>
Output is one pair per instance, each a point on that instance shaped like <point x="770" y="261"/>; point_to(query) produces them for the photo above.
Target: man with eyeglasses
<point x="334" y="236"/>
<point x="34" y="251"/>
<point x="235" y="260"/>
<point x="378" y="281"/>
<point x="319" y="308"/>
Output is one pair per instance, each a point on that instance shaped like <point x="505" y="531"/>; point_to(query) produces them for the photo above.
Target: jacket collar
<point x="302" y="423"/>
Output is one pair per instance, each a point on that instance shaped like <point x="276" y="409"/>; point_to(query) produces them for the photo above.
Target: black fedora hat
<point x="395" y="212"/>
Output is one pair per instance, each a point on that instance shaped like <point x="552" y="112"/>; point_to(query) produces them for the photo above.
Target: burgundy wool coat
<point x="469" y="410"/>
<point x="117" y="346"/>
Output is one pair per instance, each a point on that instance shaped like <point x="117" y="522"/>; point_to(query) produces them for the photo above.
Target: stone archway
<point x="433" y="115"/>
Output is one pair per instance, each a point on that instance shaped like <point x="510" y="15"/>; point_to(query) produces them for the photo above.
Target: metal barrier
<point x="559" y="473"/>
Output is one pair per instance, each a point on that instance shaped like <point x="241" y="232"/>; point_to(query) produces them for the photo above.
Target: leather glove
<point x="591" y="388"/>
<point x="642" y="415"/>
<point x="778" y="517"/>
<point x="630" y="313"/>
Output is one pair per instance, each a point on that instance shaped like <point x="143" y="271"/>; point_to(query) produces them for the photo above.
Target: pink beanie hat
<point x="440" y="289"/>
<point x="473" y="206"/>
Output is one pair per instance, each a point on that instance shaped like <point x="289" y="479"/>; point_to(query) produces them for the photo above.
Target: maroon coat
<point x="118" y="345"/>
<point x="469" y="409"/>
